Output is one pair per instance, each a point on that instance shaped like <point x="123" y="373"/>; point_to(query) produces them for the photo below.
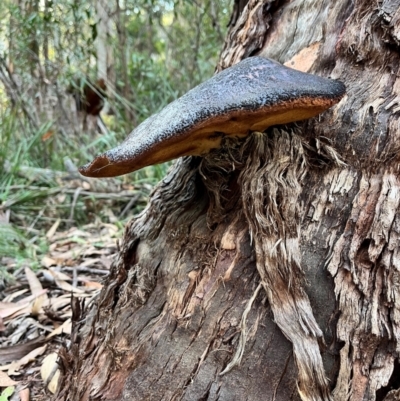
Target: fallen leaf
<point x="31" y="297"/>
<point x="14" y="295"/>
<point x="10" y="310"/>
<point x="60" y="302"/>
<point x="68" y="287"/>
<point x="5" y="305"/>
<point x="66" y="328"/>
<point x="24" y="394"/>
<point x="34" y="283"/>
<point x="14" y="352"/>
<point x="14" y="367"/>
<point x="90" y="262"/>
<point x="47" y="135"/>
<point x="93" y="284"/>
<point x="47" y="261"/>
<point x="6" y="381"/>
<point x="48" y="369"/>
<point x="37" y="305"/>
<point x="59" y="275"/>
<point x="53" y="229"/>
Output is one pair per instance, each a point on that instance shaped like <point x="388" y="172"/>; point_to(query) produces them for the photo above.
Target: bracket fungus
<point x="249" y="96"/>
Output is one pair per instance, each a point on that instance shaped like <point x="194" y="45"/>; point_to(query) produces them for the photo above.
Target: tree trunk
<point x="104" y="50"/>
<point x="268" y="270"/>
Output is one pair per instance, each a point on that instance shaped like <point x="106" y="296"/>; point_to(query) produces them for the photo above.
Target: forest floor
<point x="58" y="236"/>
<point x="35" y="307"/>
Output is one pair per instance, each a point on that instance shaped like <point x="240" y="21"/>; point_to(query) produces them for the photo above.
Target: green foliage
<point x="7" y="393"/>
<point x="158" y="49"/>
<point x="13" y="242"/>
<point x="8" y="127"/>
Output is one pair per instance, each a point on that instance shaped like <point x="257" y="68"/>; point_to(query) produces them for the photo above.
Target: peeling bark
<point x="308" y="211"/>
<point x="365" y="265"/>
<point x="247" y="31"/>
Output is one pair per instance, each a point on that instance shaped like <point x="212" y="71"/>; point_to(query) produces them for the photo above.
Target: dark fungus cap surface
<point x="251" y="95"/>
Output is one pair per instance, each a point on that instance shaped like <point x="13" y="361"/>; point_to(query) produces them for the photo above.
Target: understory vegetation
<point x="148" y="52"/>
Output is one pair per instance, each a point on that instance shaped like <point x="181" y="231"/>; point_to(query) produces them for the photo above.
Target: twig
<point x="74" y="278"/>
<point x="85" y="269"/>
<point x="123" y="195"/>
<point x="129" y="206"/>
<point x="74" y="200"/>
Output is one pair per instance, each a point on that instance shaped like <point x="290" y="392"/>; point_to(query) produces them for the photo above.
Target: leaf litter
<point x="35" y="308"/>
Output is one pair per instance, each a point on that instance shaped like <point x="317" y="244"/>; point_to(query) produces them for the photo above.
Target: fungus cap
<point x="249" y="96"/>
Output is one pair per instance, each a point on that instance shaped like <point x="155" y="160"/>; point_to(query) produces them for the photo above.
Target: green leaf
<point x="7" y="392"/>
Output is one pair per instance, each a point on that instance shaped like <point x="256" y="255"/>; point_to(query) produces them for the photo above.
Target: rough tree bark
<point x="268" y="270"/>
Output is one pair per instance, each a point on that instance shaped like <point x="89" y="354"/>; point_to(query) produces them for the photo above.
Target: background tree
<point x="48" y="48"/>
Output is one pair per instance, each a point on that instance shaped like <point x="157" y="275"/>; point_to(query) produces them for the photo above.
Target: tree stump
<point x="269" y="269"/>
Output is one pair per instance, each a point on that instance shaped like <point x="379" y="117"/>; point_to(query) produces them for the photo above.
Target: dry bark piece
<point x="249" y="96"/>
